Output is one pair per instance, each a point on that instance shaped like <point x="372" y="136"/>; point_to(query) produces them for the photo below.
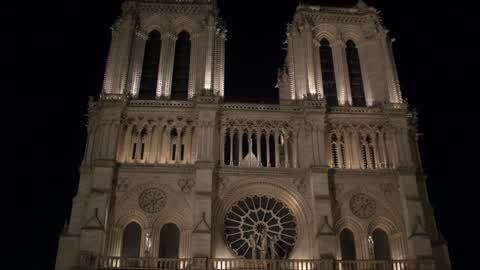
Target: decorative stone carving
<point x="362" y="205"/>
<point x="300" y="184"/>
<point x="388" y="190"/>
<point x="254" y="222"/>
<point x="222" y="183"/>
<point x="123" y="184"/>
<point x="186" y="185"/>
<point x="152" y="200"/>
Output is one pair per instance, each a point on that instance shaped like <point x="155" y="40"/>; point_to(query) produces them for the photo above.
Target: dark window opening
<point x="174" y="151"/>
<point x="142" y="152"/>
<point x="151" y="62"/>
<point x="328" y="73"/>
<point x="169" y="241"/>
<point x="134" y="151"/>
<point x="355" y="75"/>
<point x="347" y="245"/>
<point x="181" y="67"/>
<point x="182" y="152"/>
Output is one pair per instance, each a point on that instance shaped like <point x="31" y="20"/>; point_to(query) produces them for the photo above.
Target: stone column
<point x="161" y="140"/>
<point x="250" y="142"/>
<point x="136" y="63"/>
<point x="259" y="147"/>
<point x="286" y="145"/>
<point x="363" y="56"/>
<point x="277" y="149"/>
<point x="341" y="73"/>
<point x="232" y="133"/>
<point x="318" y="68"/>
<point x="393" y="83"/>
<point x="240" y="145"/>
<point x="309" y="57"/>
<point x="295" y="149"/>
<point x="194" y="63"/>
<point x="223" y="133"/>
<point x="168" y="57"/>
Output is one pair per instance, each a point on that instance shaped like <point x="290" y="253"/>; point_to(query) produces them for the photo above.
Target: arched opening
<point x="131" y="241"/>
<point x="355" y="75"/>
<point x="181" y="67"/>
<point x="151" y="62"/>
<point x="381" y="245"/>
<point x="169" y="241"/>
<point x="328" y="73"/>
<point x="347" y="245"/>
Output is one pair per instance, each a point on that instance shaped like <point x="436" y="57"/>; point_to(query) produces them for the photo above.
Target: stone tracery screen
<point x="260" y="227"/>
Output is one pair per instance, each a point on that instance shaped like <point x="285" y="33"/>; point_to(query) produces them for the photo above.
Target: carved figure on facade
<point x="186" y="184"/>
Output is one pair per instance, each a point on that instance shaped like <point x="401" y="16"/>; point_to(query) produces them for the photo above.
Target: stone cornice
<point x="244" y="171"/>
<point x="356" y="172"/>
<point x="160" y="168"/>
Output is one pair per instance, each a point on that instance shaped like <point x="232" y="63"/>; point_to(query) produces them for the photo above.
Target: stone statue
<point x="264" y="245"/>
<point x="253" y="244"/>
<point x="273" y="253"/>
<point x="148" y="243"/>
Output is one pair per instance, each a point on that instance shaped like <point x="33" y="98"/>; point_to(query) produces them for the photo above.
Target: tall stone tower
<point x="331" y="176"/>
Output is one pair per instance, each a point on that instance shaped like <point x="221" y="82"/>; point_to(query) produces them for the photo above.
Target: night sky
<point x="60" y="51"/>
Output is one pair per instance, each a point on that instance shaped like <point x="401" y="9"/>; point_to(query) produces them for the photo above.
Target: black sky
<point x="60" y="50"/>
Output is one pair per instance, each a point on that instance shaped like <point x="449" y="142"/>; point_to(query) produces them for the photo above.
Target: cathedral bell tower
<point x="161" y="50"/>
<point x="166" y="49"/>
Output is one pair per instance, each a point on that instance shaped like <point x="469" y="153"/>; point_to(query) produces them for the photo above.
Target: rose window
<point x="260" y="227"/>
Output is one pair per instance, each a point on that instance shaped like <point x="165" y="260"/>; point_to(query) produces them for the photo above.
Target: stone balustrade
<point x="92" y="262"/>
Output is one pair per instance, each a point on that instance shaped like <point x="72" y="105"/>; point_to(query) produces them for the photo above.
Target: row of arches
<point x="151" y="66"/>
<point x="169" y="244"/>
<point x="354" y="74"/>
<point x="362" y="150"/>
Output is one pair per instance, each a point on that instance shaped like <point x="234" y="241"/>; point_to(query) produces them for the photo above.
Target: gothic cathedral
<point x="175" y="178"/>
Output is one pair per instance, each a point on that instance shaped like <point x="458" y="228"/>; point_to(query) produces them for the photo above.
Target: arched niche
<point x="169" y="241"/>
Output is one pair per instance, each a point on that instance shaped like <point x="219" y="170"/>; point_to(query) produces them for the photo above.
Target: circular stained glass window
<point x="260" y="227"/>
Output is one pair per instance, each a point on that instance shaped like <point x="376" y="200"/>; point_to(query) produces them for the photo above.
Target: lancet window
<point x="151" y="62"/>
<point x="338" y="151"/>
<point x="181" y="68"/>
<point x="369" y="153"/>
<point x="328" y="73"/>
<point x="355" y="75"/>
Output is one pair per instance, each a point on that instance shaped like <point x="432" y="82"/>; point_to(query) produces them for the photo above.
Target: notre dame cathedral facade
<point x="175" y="178"/>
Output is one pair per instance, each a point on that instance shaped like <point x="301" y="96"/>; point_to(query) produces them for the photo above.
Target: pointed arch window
<point x="169" y="241"/>
<point x="347" y="245"/>
<point x="338" y="151"/>
<point x="181" y="67"/>
<point x="151" y="62"/>
<point x="132" y="237"/>
<point x="328" y="73"/>
<point x="381" y="245"/>
<point x="355" y="75"/>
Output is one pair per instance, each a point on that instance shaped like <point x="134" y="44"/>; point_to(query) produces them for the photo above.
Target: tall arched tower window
<point x="381" y="245"/>
<point x="151" y="62"/>
<point x="347" y="245"/>
<point x="169" y="241"/>
<point x="328" y="73"/>
<point x="355" y="75"/>
<point x="132" y="237"/>
<point x="181" y="68"/>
